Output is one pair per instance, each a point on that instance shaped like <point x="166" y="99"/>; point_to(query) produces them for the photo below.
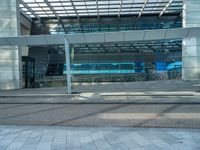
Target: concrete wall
<point x="191" y="46"/>
<point x="10" y="57"/>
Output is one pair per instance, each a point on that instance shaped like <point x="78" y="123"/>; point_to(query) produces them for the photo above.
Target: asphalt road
<point x="116" y="115"/>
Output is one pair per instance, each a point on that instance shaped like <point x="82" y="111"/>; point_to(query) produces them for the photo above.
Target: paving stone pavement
<point x="97" y="138"/>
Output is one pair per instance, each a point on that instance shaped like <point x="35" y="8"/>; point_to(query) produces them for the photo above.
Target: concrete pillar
<point x="72" y="60"/>
<point x="67" y="58"/>
<point x="10" y="57"/>
<point x="191" y="46"/>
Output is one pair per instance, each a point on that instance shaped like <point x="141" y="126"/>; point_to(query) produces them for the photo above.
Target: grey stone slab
<point x="74" y="149"/>
<point x="59" y="140"/>
<point x="89" y="146"/>
<point x="196" y="148"/>
<point x="60" y="134"/>
<point x="181" y="147"/>
<point x="47" y="136"/>
<point x="23" y="136"/>
<point x="1" y="137"/>
<point x="59" y="146"/>
<point x="9" y="131"/>
<point x="102" y="144"/>
<point x="36" y="134"/>
<point x="44" y="146"/>
<point x="196" y="140"/>
<point x="167" y="138"/>
<point x="87" y="139"/>
<point x="119" y="147"/>
<point x="139" y="139"/>
<point x="152" y="147"/>
<point x="97" y="136"/>
<point x="73" y="143"/>
<point x="7" y="140"/>
<point x="3" y="146"/>
<point x="160" y="143"/>
<point x="32" y="141"/>
<point x="15" y="146"/>
<point x="112" y="138"/>
<point x="131" y="144"/>
<point x="29" y="147"/>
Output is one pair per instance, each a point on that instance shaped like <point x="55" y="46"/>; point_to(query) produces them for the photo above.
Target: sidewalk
<point x="181" y="97"/>
<point x="151" y="92"/>
<point x="170" y="87"/>
<point x="90" y="138"/>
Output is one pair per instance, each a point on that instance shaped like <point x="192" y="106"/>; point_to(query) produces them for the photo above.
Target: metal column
<point x="67" y="58"/>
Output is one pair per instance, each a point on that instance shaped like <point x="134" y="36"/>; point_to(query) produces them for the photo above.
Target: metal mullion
<point x="145" y="3"/>
<point x="97" y="8"/>
<point x="86" y="7"/>
<point x="42" y="9"/>
<point x="111" y="4"/>
<point x="115" y="0"/>
<point x="120" y="7"/>
<point x="165" y="8"/>
<point x="30" y="9"/>
<point x="75" y="10"/>
<point x="25" y="15"/>
<point x="137" y="3"/>
<point x="131" y="6"/>
<point x="108" y="6"/>
<point x="64" y="7"/>
<point x="117" y="4"/>
<point x="58" y="17"/>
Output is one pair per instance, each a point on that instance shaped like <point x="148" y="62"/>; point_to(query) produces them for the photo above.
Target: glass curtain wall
<point x="116" y="62"/>
<point x="126" y="62"/>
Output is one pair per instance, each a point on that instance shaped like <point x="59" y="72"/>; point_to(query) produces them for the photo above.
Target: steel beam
<point x="145" y="3"/>
<point x="120" y="8"/>
<point x="58" y="17"/>
<point x="75" y="10"/>
<point x="97" y="9"/>
<point x="165" y="8"/>
<point x="30" y="9"/>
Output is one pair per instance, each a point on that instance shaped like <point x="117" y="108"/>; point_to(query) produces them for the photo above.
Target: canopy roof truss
<point x="97" y="8"/>
<point x="148" y="46"/>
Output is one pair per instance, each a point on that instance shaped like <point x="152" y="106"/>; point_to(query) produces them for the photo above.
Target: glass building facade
<point x="110" y="62"/>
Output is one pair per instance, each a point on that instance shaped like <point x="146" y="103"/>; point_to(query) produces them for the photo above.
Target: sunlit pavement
<point x="94" y="138"/>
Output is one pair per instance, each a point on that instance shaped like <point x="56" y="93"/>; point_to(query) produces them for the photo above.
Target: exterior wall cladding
<point x="191" y="46"/>
<point x="10" y="57"/>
